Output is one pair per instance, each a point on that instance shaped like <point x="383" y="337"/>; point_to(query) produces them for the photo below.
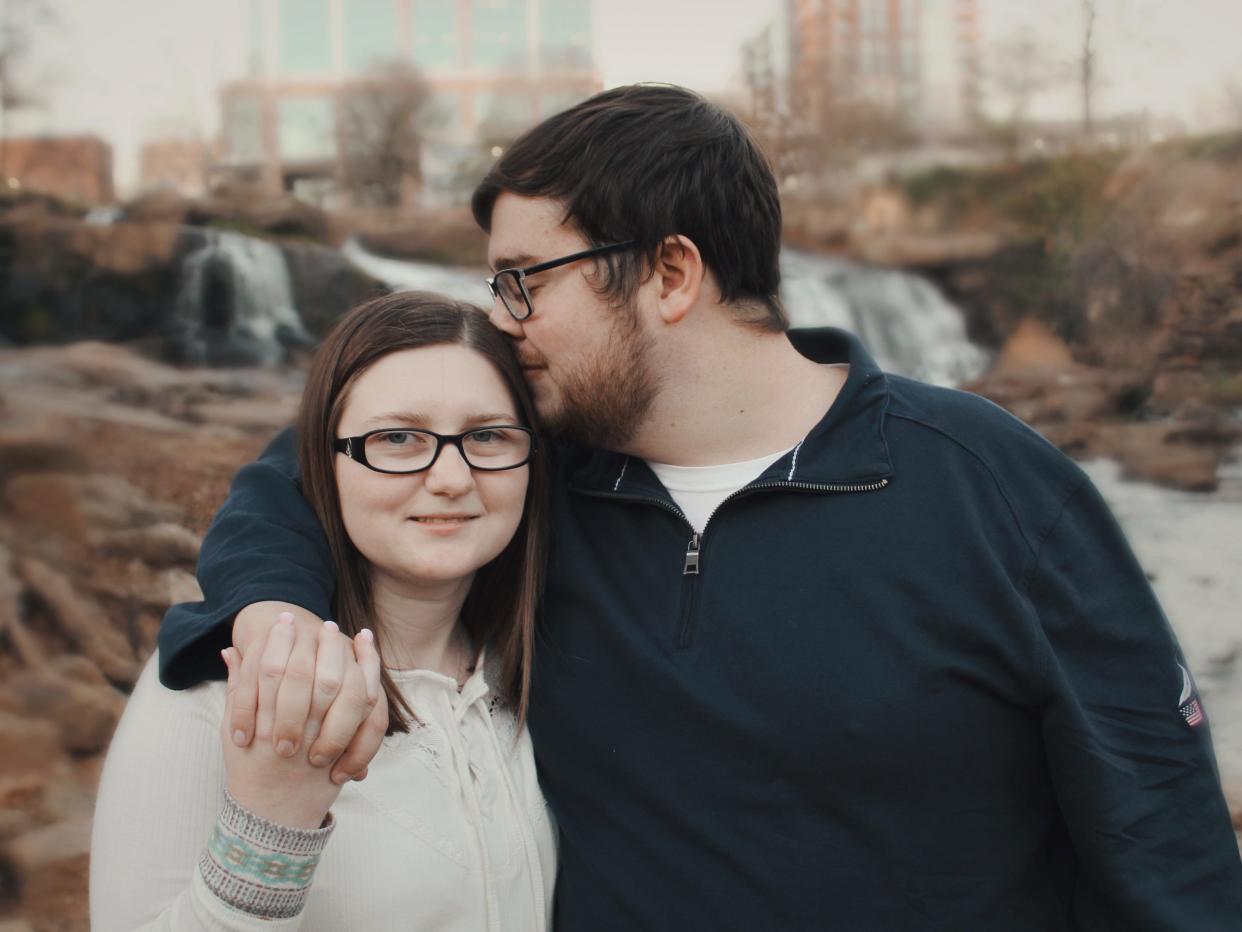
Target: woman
<point x="416" y="453"/>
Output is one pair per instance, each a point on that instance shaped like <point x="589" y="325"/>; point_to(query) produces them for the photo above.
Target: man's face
<point x="589" y="363"/>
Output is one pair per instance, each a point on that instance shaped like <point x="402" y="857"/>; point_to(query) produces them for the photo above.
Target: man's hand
<point x="305" y="683"/>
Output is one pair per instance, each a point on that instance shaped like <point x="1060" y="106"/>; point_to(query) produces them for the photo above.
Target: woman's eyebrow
<point x="415" y="419"/>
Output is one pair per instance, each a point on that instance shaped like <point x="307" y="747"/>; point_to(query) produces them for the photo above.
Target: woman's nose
<point x="450" y="474"/>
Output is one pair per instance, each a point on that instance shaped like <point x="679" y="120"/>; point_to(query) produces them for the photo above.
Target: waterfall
<point x="456" y="283"/>
<point x="235" y="304"/>
<point x="906" y="324"/>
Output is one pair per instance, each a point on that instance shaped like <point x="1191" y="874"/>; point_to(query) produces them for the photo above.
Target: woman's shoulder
<point x="151" y="697"/>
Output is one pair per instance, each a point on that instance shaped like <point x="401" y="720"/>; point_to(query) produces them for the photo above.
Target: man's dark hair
<point x="649" y="161"/>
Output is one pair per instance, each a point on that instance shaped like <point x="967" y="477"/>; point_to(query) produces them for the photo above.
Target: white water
<point x="907" y="325"/>
<point x="902" y="319"/>
<point x="1190" y="544"/>
<point x="401" y="274"/>
<point x="235" y="304"/>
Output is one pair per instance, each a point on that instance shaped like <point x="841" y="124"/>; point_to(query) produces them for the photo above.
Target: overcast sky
<point x="135" y="69"/>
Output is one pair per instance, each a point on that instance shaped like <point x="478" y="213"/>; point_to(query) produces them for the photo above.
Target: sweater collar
<point x="846" y="447"/>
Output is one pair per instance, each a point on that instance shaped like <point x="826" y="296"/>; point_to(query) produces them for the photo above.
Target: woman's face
<point x="440" y="525"/>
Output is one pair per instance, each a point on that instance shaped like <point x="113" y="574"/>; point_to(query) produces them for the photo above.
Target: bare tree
<point x="383" y="117"/>
<point x="19" y="21"/>
<point x="1233" y="100"/>
<point x="1019" y="67"/>
<point x="1087" y="67"/>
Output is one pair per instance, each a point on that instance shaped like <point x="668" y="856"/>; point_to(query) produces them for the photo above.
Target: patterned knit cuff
<point x="259" y="867"/>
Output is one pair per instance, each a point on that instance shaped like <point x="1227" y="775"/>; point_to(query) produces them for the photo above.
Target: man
<point x="821" y="647"/>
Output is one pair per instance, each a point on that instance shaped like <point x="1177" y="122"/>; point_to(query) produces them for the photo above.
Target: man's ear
<point x="678" y="275"/>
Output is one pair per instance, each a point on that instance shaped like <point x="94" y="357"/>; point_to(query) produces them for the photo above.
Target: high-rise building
<point x="493" y="66"/>
<point x="917" y="59"/>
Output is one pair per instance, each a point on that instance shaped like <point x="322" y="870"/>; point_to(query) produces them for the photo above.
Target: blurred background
<point x="1041" y="203"/>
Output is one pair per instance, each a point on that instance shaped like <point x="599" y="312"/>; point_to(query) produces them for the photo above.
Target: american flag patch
<point x="1188" y="703"/>
<point x="1192" y="713"/>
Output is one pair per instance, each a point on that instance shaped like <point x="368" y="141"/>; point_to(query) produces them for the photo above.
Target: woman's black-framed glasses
<point x="509" y="285"/>
<point x="405" y="450"/>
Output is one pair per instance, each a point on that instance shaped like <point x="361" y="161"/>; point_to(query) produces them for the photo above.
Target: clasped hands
<point x="305" y="712"/>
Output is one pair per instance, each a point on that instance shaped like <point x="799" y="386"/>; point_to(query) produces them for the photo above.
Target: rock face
<point x="190" y="294"/>
<point x="1134" y="263"/>
<point x="111" y="466"/>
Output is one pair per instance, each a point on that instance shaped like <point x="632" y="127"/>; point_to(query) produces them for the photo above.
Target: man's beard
<point x="605" y="400"/>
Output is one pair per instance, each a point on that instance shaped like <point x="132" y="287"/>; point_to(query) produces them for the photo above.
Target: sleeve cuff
<point x="258" y="867"/>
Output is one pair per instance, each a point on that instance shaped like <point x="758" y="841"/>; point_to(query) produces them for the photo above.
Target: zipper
<point x="693" y="561"/>
<point x="692" y="557"/>
<point x="697" y="539"/>
<point x="692" y="567"/>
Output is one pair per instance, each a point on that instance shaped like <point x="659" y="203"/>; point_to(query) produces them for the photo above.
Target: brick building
<point x="494" y="65"/>
<point x="73" y="168"/>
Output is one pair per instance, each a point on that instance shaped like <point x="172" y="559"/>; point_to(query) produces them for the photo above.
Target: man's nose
<point x="450" y="474"/>
<point x="503" y="321"/>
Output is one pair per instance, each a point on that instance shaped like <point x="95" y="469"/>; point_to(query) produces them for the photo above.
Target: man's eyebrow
<point x="521" y="260"/>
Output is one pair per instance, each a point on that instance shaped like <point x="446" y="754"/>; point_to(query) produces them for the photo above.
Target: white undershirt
<point x="699" y="490"/>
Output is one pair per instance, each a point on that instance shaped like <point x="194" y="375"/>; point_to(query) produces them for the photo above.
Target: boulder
<point x="326" y="285"/>
<point x="173" y="586"/>
<point x="24" y="646"/>
<point x="36" y="454"/>
<point x="85" y="714"/>
<point x="80" y="669"/>
<point x="50" y="867"/>
<point x="1033" y="346"/>
<point x="163" y="544"/>
<point x="70" y="504"/>
<point x="165" y="205"/>
<point x="31" y="746"/>
<point x="84" y="622"/>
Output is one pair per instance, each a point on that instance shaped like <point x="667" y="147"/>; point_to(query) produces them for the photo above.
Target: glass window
<point x="305" y="37"/>
<point x="552" y="102"/>
<point x="873" y="14"/>
<point x="245" y="129"/>
<point x="442" y="112"/>
<point x="565" y="34"/>
<point x="306" y="129"/>
<point x="435" y="34"/>
<point x="370" y="33"/>
<point x="502" y="110"/>
<point x="499" y="33"/>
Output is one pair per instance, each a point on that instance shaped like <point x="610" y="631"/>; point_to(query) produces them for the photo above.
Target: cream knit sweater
<point x="448" y="832"/>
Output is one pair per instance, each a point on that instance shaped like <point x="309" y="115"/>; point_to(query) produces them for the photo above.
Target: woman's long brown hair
<point x="499" y="611"/>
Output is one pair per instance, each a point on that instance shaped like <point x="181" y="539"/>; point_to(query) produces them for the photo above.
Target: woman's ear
<point x="678" y="274"/>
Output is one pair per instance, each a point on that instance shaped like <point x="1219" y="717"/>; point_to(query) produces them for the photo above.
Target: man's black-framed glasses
<point x="509" y="285"/>
<point x="405" y="450"/>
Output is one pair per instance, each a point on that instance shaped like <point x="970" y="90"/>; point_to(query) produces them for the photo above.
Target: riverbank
<point x="111" y="466"/>
<point x="1109" y="284"/>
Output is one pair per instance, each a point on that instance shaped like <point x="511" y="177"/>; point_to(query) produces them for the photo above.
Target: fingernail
<point x="341" y="779"/>
<point x="284" y="748"/>
<point x="285" y="618"/>
<point x="319" y="761"/>
<point x="331" y="626"/>
<point x="239" y="738"/>
<point x="366" y="635"/>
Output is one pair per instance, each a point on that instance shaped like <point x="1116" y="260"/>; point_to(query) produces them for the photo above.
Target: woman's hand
<point x="326" y="700"/>
<point x="286" y="788"/>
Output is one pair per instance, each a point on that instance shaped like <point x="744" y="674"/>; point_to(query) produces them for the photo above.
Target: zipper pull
<point x="692" y="558"/>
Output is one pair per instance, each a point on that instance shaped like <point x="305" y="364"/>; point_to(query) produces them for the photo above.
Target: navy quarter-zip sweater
<point x="918" y="681"/>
